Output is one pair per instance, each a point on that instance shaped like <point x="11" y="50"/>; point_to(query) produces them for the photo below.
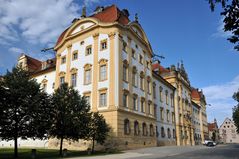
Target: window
<point x="168" y="115"/>
<point x="103" y="99"/>
<point x="133" y="54"/>
<point x="161" y="113"/>
<point x="141" y="59"/>
<point x="88" y="50"/>
<point x="75" y="55"/>
<point x="174" y="134"/>
<point x="155" y="110"/>
<point x="135" y="105"/>
<point x="160" y="93"/>
<point x="87" y="76"/>
<point x="136" y="128"/>
<point x="169" y="133"/>
<point x="63" y="60"/>
<point x="53" y="85"/>
<point x="126" y="127"/>
<point x="171" y="99"/>
<point x="142" y="105"/>
<point x="124" y="46"/>
<point x="148" y="85"/>
<point x="166" y="96"/>
<point x="154" y="90"/>
<point x="144" y="126"/>
<point x="162" y="132"/>
<point x="173" y="117"/>
<point x="134" y="76"/>
<point x="62" y="80"/>
<point x="125" y="71"/>
<point x="103" y="72"/>
<point x="82" y="43"/>
<point x="151" y="130"/>
<point x="125" y="99"/>
<point x="103" y="45"/>
<point x="142" y="80"/>
<point x="149" y="107"/>
<point x="73" y="80"/>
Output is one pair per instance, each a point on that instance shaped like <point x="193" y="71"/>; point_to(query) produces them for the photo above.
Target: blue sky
<point x="180" y="30"/>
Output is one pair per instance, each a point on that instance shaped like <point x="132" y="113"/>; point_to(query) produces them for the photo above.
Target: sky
<point x="179" y="30"/>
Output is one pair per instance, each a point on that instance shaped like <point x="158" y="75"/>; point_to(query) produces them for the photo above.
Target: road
<point x="174" y="152"/>
<point x="220" y="152"/>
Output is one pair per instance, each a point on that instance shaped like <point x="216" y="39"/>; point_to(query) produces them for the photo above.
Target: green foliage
<point x="235" y="114"/>
<point x="98" y="129"/>
<point x="231" y="15"/>
<point x="70" y="116"/>
<point x="22" y="107"/>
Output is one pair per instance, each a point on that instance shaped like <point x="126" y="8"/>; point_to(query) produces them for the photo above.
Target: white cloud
<point x="15" y="50"/>
<point x="220" y="31"/>
<point x="37" y="21"/>
<point x="220" y="97"/>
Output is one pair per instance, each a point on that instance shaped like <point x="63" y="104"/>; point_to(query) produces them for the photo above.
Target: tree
<point x="235" y="114"/>
<point x="213" y="136"/>
<point x="231" y="15"/>
<point x="22" y="107"/>
<point x="98" y="129"/>
<point x="70" y="115"/>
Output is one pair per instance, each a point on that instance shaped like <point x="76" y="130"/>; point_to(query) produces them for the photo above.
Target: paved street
<point x="173" y="152"/>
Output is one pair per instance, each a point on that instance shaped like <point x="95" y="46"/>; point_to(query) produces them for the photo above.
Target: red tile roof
<point x="111" y="14"/>
<point x="212" y="126"/>
<point x="35" y="66"/>
<point x="195" y="93"/>
<point x="108" y="15"/>
<point x="158" y="67"/>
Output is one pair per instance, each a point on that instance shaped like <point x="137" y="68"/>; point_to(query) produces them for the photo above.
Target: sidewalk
<point x="151" y="152"/>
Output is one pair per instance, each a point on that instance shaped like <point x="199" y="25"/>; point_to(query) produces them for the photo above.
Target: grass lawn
<point x="25" y="153"/>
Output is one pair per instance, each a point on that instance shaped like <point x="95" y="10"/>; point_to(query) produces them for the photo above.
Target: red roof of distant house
<point x="108" y="15"/>
<point x="157" y="66"/>
<point x="33" y="64"/>
<point x="195" y="93"/>
<point x="212" y="126"/>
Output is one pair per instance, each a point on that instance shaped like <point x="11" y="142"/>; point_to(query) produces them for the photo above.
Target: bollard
<point x="34" y="153"/>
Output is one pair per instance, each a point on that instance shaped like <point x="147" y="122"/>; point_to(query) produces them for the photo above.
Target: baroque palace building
<point x="108" y="59"/>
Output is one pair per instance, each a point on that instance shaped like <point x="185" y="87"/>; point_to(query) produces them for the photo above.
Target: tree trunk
<point x="15" y="148"/>
<point x="93" y="145"/>
<point x="61" y="146"/>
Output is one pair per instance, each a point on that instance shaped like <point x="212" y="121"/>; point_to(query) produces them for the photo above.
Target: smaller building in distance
<point x="213" y="131"/>
<point x="228" y="133"/>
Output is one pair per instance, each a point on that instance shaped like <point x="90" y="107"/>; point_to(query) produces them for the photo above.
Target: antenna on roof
<point x="156" y="57"/>
<point x="47" y="49"/>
